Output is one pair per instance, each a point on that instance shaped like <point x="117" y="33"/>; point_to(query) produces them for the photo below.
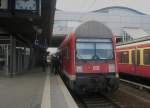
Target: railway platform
<point x="35" y="89"/>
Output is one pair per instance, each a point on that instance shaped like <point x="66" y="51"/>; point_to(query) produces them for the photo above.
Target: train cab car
<point x="88" y="58"/>
<point x="133" y="58"/>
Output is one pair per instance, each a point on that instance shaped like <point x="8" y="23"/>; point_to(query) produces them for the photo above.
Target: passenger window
<point x="146" y="57"/>
<point x="124" y="57"/>
<point x="138" y="57"/>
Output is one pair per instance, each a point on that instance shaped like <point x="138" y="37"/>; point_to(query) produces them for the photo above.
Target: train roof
<point x="93" y="29"/>
<point x="134" y="41"/>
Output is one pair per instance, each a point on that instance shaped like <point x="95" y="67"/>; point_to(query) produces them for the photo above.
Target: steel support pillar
<point x="12" y="71"/>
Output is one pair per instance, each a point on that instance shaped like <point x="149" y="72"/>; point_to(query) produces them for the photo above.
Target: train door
<point x="135" y="61"/>
<point x="138" y="62"/>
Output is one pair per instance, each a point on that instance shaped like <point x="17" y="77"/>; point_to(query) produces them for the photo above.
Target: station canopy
<point x="136" y="33"/>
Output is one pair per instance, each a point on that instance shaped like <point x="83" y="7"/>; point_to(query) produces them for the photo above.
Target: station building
<point x="125" y="23"/>
<point x="25" y="30"/>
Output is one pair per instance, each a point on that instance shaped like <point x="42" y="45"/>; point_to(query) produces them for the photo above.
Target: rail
<point x="97" y="101"/>
<point x="136" y="85"/>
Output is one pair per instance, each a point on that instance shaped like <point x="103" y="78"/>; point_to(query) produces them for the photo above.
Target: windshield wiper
<point x="95" y="57"/>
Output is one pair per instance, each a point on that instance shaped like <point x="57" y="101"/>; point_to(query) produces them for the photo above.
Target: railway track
<point x="136" y="85"/>
<point x="97" y="101"/>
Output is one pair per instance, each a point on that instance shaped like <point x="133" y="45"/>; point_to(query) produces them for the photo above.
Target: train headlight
<point x="79" y="69"/>
<point x="112" y="68"/>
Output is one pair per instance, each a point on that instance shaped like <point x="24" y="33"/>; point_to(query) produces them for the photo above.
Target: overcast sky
<point x="89" y="5"/>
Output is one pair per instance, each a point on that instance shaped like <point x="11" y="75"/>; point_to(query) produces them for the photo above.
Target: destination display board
<point x="28" y="6"/>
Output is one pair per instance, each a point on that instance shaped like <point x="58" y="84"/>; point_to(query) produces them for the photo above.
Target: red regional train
<point x="88" y="58"/>
<point x="133" y="58"/>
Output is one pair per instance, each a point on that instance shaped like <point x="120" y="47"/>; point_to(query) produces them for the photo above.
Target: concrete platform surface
<point x="60" y="96"/>
<point x="35" y="89"/>
<point x="24" y="91"/>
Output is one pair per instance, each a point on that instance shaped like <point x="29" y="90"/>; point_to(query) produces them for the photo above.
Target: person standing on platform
<point x="44" y="63"/>
<point x="57" y="64"/>
<point x="49" y="61"/>
<point x="53" y="63"/>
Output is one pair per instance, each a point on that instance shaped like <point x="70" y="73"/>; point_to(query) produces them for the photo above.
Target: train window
<point x="85" y="50"/>
<point x="138" y="57"/>
<point x="104" y="50"/>
<point x="92" y="50"/>
<point x="124" y="57"/>
<point x="146" y="55"/>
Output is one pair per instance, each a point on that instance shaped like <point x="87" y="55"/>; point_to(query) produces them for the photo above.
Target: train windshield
<point x="104" y="50"/>
<point x="94" y="50"/>
<point x="85" y="50"/>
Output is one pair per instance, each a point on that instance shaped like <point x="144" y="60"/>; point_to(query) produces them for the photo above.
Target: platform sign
<point x="28" y="6"/>
<point x="3" y="4"/>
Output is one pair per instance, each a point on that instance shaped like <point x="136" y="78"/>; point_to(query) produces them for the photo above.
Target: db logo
<point x="96" y="68"/>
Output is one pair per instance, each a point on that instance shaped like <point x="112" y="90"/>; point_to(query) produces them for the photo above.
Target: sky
<point x="90" y="5"/>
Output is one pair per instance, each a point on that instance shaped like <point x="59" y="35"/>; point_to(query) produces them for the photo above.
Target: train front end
<point x="95" y="64"/>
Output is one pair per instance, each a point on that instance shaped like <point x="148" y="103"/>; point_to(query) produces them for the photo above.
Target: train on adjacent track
<point x="88" y="60"/>
<point x="133" y="58"/>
